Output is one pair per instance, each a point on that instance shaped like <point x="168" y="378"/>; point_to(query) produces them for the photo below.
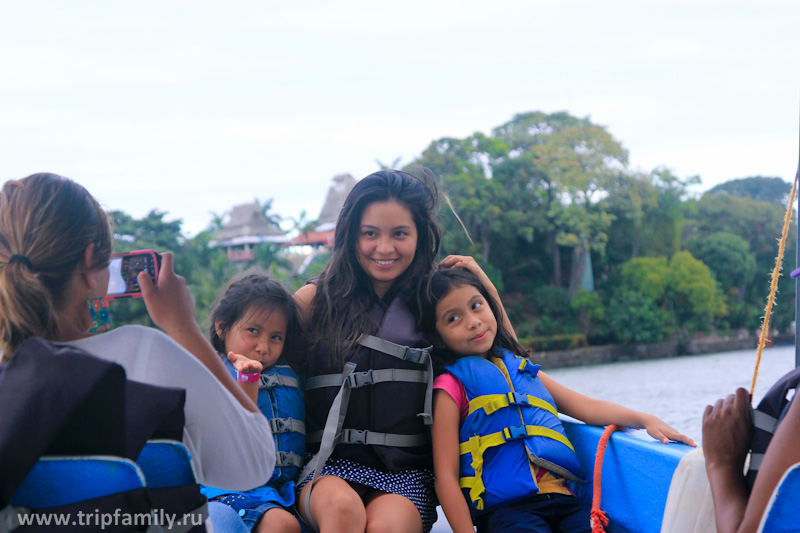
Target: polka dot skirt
<point x="416" y="485"/>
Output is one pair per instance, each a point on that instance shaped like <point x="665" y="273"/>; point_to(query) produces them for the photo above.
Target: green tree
<point x="729" y="257"/>
<point x="648" y="276"/>
<point x="693" y="293"/>
<point x="759" y="224"/>
<point x="761" y="188"/>
<point x="649" y="211"/>
<point x="562" y="165"/>
<point x="634" y="317"/>
<point x="587" y="308"/>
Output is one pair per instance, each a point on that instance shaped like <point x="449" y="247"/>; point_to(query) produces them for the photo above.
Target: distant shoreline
<point x="614" y="353"/>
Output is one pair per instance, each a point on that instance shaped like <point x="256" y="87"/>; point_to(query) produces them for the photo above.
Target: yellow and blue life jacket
<point x="512" y="424"/>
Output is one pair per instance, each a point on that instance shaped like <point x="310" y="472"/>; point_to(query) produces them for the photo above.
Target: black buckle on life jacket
<point x="269" y="381"/>
<point x="280" y="425"/>
<point x="360" y="379"/>
<point x="416" y="355"/>
<point x="516" y="432"/>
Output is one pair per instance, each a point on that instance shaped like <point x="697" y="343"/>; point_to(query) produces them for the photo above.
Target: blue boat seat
<point x="63" y="480"/>
<point x="781" y="514"/>
<point x="166" y="463"/>
<point x="637" y="472"/>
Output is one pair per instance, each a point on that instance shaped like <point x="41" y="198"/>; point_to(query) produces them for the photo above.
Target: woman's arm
<point x="726" y="436"/>
<point x="469" y="264"/>
<point x="446" y="462"/>
<point x="601" y="413"/>
<point x="171" y="306"/>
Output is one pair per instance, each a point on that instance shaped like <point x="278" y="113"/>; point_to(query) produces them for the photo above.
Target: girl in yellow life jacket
<point x="496" y="433"/>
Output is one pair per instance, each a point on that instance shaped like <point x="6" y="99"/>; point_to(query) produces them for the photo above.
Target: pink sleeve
<point x="450" y="384"/>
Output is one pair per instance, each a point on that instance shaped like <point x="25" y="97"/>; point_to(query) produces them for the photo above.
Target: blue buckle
<point x="531" y="369"/>
<point x="516" y="432"/>
<point x="359" y="379"/>
<point x="518" y="398"/>
<point x="354" y="436"/>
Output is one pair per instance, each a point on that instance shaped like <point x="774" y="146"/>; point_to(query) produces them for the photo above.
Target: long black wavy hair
<point x="340" y="311"/>
<point x="437" y="286"/>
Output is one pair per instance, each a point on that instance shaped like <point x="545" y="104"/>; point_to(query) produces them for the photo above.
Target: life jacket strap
<point x="287" y="425"/>
<point x="333" y="426"/>
<point x="375" y="438"/>
<point x="406" y="353"/>
<point x="324" y="380"/>
<point x="270" y="381"/>
<point x="492" y="402"/>
<point x="288" y="459"/>
<point x="477" y="445"/>
<point x="755" y="461"/>
<point x="764" y="421"/>
<point x="370" y="377"/>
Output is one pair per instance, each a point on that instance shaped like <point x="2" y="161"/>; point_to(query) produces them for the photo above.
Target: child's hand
<point x="663" y="432"/>
<point x="245" y="365"/>
<point x="469" y="264"/>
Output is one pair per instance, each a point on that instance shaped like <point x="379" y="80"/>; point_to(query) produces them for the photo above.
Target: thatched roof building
<point x="246" y="228"/>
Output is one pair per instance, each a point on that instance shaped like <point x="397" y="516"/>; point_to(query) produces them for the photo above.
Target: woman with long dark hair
<point x="362" y="321"/>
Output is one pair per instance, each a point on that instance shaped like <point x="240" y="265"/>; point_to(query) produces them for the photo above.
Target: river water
<point x="676" y="389"/>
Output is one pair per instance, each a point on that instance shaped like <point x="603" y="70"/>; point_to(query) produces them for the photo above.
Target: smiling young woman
<point x="387" y="238"/>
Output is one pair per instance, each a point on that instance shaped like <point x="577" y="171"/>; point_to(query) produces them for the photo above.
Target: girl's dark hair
<point x="255" y="292"/>
<point x="340" y="310"/>
<point x="438" y="285"/>
<point x="46" y="223"/>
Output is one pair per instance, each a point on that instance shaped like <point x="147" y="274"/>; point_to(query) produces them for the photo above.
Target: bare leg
<point x="278" y="520"/>
<point x="335" y="506"/>
<point x="391" y="513"/>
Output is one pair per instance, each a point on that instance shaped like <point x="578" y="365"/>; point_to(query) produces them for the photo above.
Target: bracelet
<point x="242" y="377"/>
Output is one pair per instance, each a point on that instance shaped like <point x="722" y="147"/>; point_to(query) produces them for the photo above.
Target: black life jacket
<point x="59" y="400"/>
<point x="766" y="418"/>
<point x="388" y="395"/>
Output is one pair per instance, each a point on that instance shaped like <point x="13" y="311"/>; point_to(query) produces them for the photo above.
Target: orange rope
<point x="599" y="519"/>
<point x="773" y="286"/>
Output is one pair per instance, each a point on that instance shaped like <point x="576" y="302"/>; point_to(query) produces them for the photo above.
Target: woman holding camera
<point x="55" y="245"/>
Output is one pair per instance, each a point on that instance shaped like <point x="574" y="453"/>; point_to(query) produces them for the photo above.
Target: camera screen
<point x="123" y="272"/>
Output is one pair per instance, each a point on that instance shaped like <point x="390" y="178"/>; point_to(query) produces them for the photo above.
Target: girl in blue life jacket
<point x="496" y="433"/>
<point x="255" y="328"/>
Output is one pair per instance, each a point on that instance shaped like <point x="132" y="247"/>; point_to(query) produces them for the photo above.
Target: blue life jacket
<point x="280" y="399"/>
<point x="512" y="424"/>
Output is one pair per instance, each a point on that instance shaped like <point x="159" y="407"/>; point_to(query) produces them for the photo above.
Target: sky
<point x="191" y="107"/>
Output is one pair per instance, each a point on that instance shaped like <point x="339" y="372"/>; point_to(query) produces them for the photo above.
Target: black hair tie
<point x="21" y="259"/>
